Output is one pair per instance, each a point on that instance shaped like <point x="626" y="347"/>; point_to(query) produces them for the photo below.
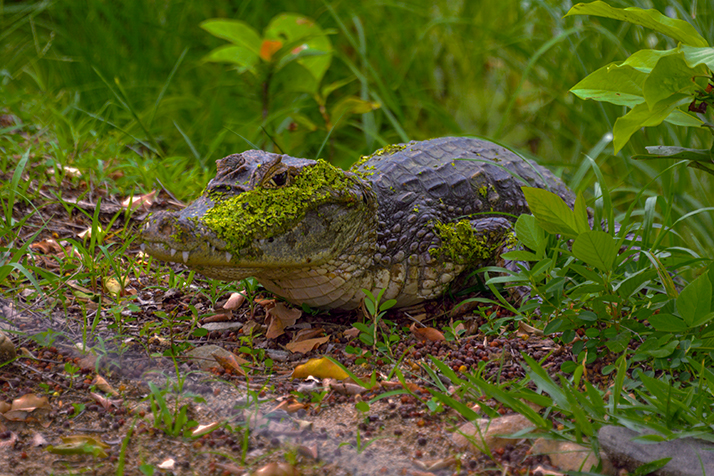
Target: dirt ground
<point x="99" y="372"/>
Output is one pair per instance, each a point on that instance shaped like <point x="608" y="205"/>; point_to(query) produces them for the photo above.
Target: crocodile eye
<point x="280" y="179"/>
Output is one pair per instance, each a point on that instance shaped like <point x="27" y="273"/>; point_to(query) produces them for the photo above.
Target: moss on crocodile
<point x="263" y="213"/>
<point x="461" y="244"/>
<point x="367" y="171"/>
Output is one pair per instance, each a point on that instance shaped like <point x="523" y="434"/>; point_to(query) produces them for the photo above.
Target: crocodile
<point x="410" y="219"/>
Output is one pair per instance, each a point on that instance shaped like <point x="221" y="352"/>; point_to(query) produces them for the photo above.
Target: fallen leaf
<point x="305" y="346"/>
<point x="101" y="383"/>
<point x="142" y="201"/>
<point x="229" y="468"/>
<point x="201" y="430"/>
<point x="319" y="368"/>
<point x="529" y="330"/>
<point x="38" y="440"/>
<point x="344" y="388"/>
<point x="5" y="407"/>
<point x="47" y="246"/>
<point x="277" y="469"/>
<point x="30" y="402"/>
<point x="80" y="444"/>
<point x="352" y="333"/>
<point x="266" y="303"/>
<point x="220" y="317"/>
<point x="281" y="317"/>
<point x="167" y="464"/>
<point x="231" y="362"/>
<point x="235" y="301"/>
<point x="305" y="334"/>
<point x="309" y="451"/>
<point x="86" y="234"/>
<point x="426" y="333"/>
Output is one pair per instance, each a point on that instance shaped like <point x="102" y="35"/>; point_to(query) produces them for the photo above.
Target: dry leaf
<point x="47" y="246"/>
<point x="5" y="407"/>
<point x="30" y="403"/>
<point x="103" y="385"/>
<point x="529" y="330"/>
<point x="231" y="362"/>
<point x="305" y="346"/>
<point x="167" y="464"/>
<point x="38" y="440"/>
<point x="426" y="333"/>
<point x="344" y="388"/>
<point x="266" y="303"/>
<point x="205" y="429"/>
<point x="220" y="317"/>
<point x="86" y="234"/>
<point x="229" y="468"/>
<point x="309" y="451"/>
<point x="80" y="445"/>
<point x="305" y="334"/>
<point x="142" y="201"/>
<point x="351" y="333"/>
<point x="281" y="317"/>
<point x="319" y="368"/>
<point x="277" y="469"/>
<point x="235" y="301"/>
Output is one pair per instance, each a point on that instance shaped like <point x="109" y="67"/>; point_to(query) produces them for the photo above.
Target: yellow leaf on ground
<point x="319" y="368"/>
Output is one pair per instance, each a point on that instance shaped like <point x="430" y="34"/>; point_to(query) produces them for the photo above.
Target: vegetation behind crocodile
<point x="409" y="218"/>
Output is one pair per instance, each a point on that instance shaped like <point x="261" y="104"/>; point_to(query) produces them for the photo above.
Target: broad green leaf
<point x="551" y="212"/>
<point x="635" y="283"/>
<point x="621" y="85"/>
<point x="645" y="60"/>
<point x="701" y="320"/>
<point x="295" y="77"/>
<point x="581" y="214"/>
<point x="667" y="323"/>
<point x="238" y="55"/>
<point x="528" y="231"/>
<point x="597" y="249"/>
<point x="696" y="56"/>
<point x="237" y="32"/>
<point x="671" y="75"/>
<point x="641" y="116"/>
<point x="684" y="119"/>
<point x="680" y="30"/>
<point x="673" y="152"/>
<point x="304" y="34"/>
<point x="330" y="88"/>
<point x="695" y="300"/>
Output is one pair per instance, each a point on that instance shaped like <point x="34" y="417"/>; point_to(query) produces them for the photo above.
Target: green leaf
<point x="694" y="302"/>
<point x="652" y="466"/>
<point x="680" y="30"/>
<point x="645" y="60"/>
<point x="552" y="213"/>
<point x="351" y="105"/>
<point x="671" y="75"/>
<point x="304" y="34"/>
<point x="237" y="32"/>
<point x="238" y="55"/>
<point x="621" y="85"/>
<point x="519" y="255"/>
<point x="530" y="234"/>
<point x="641" y="116"/>
<point x="672" y="152"/>
<point x="696" y="56"/>
<point x="581" y="214"/>
<point x="597" y="249"/>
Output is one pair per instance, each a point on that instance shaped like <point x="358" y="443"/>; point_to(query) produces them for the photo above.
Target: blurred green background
<point x="123" y="84"/>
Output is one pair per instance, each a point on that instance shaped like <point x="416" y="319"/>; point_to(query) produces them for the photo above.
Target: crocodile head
<point x="264" y="213"/>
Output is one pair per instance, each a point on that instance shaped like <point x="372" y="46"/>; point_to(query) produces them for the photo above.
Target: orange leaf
<point x="268" y="48"/>
<point x="426" y="333"/>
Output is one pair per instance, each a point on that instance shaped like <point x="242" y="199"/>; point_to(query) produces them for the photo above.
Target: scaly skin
<point x="409" y="218"/>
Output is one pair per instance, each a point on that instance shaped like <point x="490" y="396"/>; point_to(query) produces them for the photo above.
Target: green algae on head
<point x="462" y="244"/>
<point x="262" y="213"/>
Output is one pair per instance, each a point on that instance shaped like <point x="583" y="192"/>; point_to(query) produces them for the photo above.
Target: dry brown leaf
<point x="235" y="301"/>
<point x="230" y="468"/>
<point x="220" y="317"/>
<point x="528" y="330"/>
<point x="319" y="368"/>
<point x="101" y="383"/>
<point x="86" y="234"/>
<point x="426" y="333"/>
<point x="266" y="303"/>
<point x="205" y="429"/>
<point x="305" y="334"/>
<point x="48" y="246"/>
<point x="305" y="346"/>
<point x="5" y="407"/>
<point x="231" y="362"/>
<point x="142" y="201"/>
<point x="344" y="388"/>
<point x="106" y="403"/>
<point x="30" y="402"/>
<point x="352" y="333"/>
<point x="309" y="451"/>
<point x="281" y="317"/>
<point x="38" y="440"/>
<point x="277" y="469"/>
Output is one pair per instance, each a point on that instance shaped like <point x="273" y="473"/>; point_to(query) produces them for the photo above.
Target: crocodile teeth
<point x="172" y="251"/>
<point x="185" y="256"/>
<point x="228" y="256"/>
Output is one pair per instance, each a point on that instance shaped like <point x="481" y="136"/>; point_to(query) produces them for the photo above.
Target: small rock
<point x="488" y="432"/>
<point x="689" y="456"/>
<point x="569" y="456"/>
<point x="222" y="326"/>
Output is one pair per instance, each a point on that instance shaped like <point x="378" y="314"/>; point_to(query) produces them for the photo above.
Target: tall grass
<point x="92" y="69"/>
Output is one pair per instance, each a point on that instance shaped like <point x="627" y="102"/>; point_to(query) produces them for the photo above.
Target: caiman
<point x="410" y="219"/>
